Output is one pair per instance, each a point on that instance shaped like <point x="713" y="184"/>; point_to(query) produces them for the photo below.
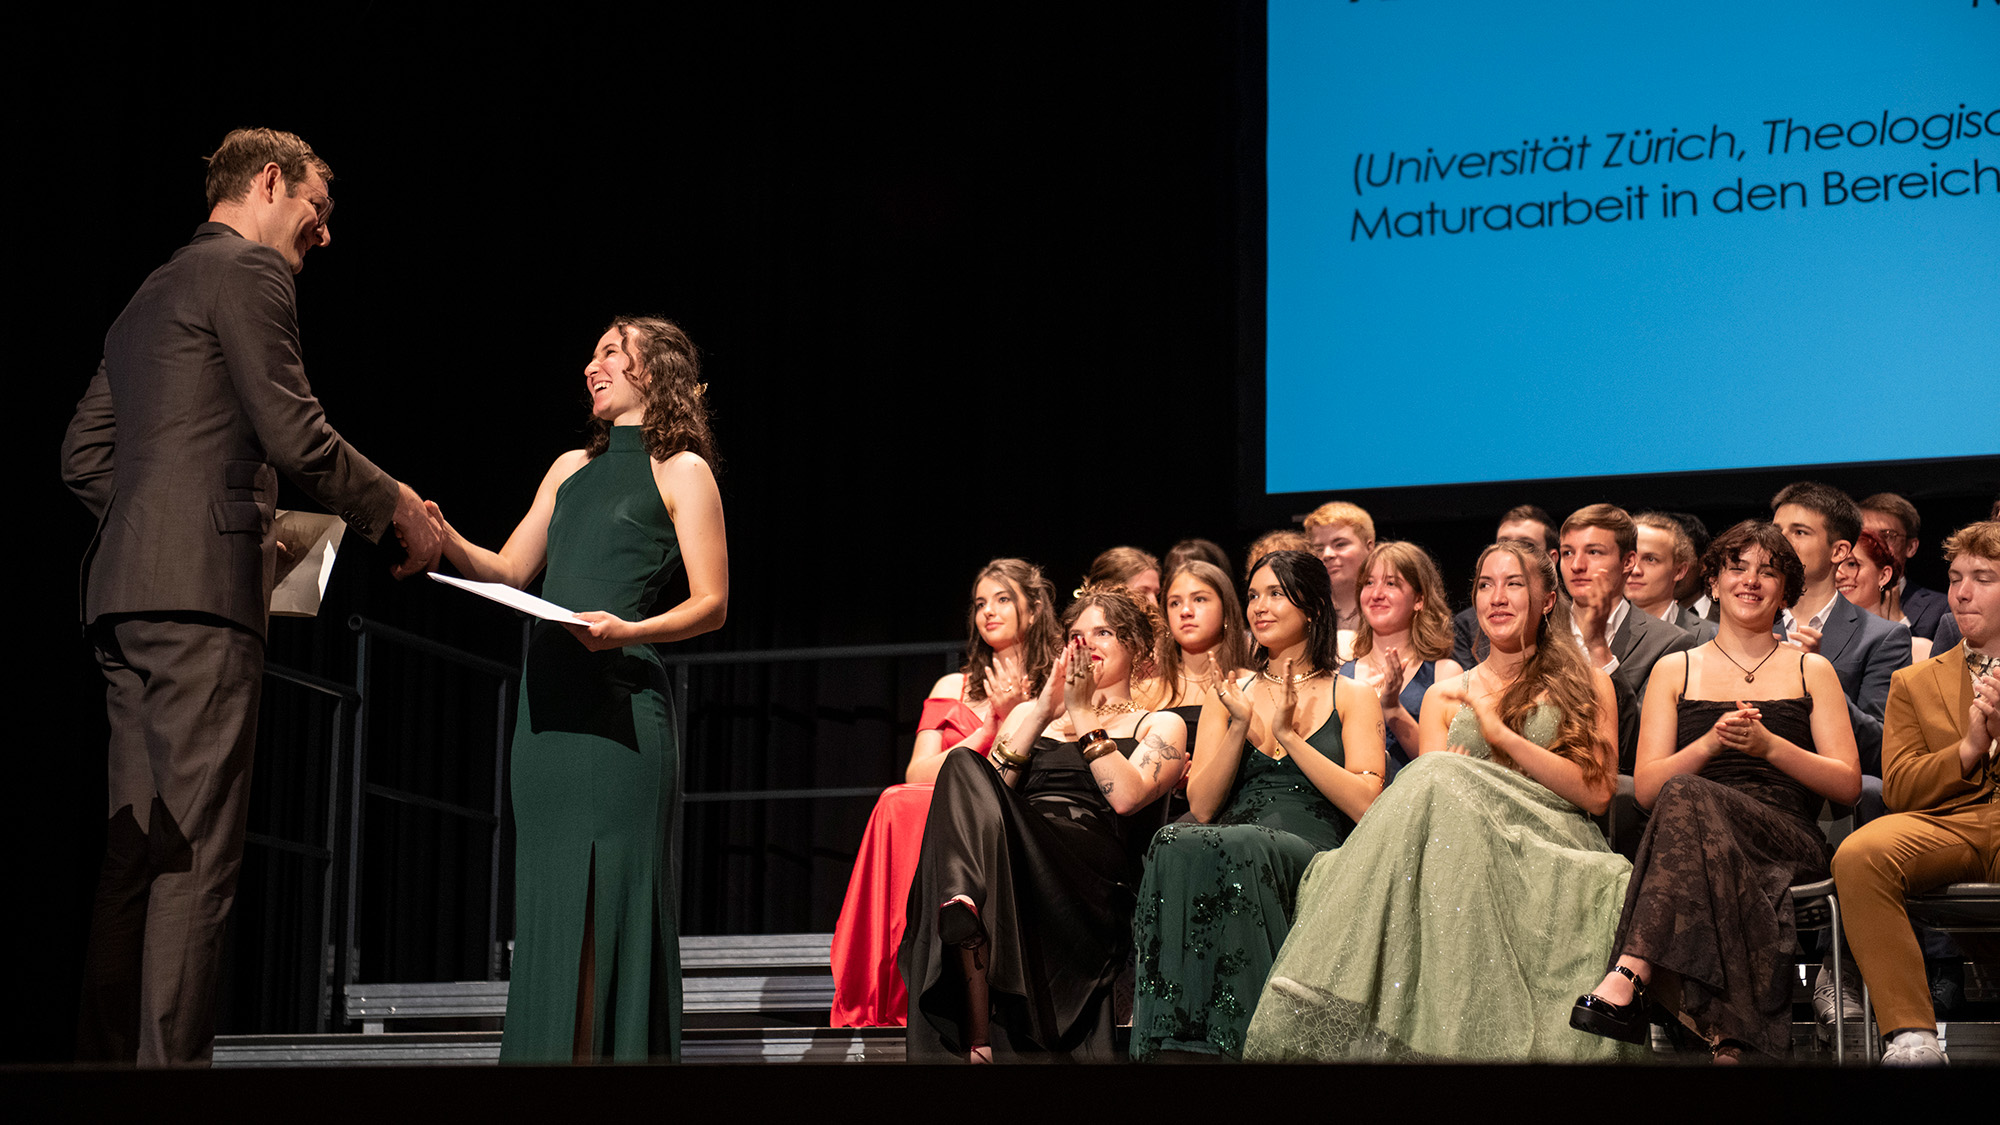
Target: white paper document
<point x="514" y="599"/>
<point x="311" y="540"/>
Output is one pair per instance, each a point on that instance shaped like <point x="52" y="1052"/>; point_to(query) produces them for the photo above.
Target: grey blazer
<point x="1640" y="642"/>
<point x="1866" y="650"/>
<point x="201" y="395"/>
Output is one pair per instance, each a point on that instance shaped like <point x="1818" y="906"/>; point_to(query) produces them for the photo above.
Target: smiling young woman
<point x="596" y="969"/>
<point x="1740" y="742"/>
<point x="1456" y="919"/>
<point x="1404" y="643"/>
<point x="1011" y="640"/>
<point x="1290" y="757"/>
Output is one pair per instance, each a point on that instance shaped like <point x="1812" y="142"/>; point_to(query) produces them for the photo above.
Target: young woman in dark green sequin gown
<point x="1289" y="758"/>
<point x="596" y="772"/>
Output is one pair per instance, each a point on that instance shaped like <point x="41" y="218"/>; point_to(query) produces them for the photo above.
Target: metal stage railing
<point x="339" y="851"/>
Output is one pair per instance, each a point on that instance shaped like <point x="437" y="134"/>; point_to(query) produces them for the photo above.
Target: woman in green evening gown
<point x="1457" y="919"/>
<point x="1290" y="759"/>
<point x="596" y="773"/>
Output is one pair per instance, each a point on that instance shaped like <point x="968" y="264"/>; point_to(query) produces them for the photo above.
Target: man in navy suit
<point x="1894" y="521"/>
<point x="1822" y="524"/>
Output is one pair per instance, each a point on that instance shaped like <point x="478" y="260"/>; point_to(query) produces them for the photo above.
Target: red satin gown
<point x="868" y="989"/>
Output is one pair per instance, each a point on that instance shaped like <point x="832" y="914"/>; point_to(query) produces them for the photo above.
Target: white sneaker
<point x="1848" y="997"/>
<point x="1914" y="1048"/>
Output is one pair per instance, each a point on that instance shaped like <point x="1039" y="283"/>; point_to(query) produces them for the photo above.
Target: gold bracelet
<point x="1370" y="773"/>
<point x="1008" y="758"/>
<point x="1097" y="744"/>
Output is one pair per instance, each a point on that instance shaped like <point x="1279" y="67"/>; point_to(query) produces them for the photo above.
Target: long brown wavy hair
<point x="676" y="399"/>
<point x="1134" y="620"/>
<point x="1430" y="626"/>
<point x="1232" y="651"/>
<point x="1034" y="616"/>
<point x="1557" y="670"/>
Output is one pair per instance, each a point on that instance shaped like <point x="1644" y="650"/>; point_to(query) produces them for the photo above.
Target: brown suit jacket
<point x="200" y="397"/>
<point x="1924" y="723"/>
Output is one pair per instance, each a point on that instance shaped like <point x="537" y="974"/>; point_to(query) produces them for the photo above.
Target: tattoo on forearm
<point x="1104" y="787"/>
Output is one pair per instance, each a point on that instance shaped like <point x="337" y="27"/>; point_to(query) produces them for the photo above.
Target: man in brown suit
<point x="201" y="397"/>
<point x="1938" y="775"/>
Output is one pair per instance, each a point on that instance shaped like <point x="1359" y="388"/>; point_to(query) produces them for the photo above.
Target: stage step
<point x="720" y="1046"/>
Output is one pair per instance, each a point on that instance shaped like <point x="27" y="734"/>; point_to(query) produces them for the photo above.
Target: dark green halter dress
<point x="596" y="782"/>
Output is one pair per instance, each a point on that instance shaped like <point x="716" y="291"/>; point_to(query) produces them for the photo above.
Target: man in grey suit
<point x="1666" y="558"/>
<point x="1822" y="523"/>
<point x="1599" y="550"/>
<point x="200" y="398"/>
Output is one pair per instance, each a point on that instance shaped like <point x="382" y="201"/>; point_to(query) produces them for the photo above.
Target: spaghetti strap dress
<point x="1216" y="902"/>
<point x="1460" y="920"/>
<point x="1710" y="895"/>
<point x="1048" y="867"/>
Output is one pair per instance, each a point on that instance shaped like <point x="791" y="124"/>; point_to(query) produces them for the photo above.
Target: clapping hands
<point x="1743" y="730"/>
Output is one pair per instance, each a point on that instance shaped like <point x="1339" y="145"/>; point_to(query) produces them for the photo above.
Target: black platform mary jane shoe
<point x="1599" y="1016"/>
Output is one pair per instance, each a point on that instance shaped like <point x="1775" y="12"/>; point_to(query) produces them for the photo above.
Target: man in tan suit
<point x="1939" y="736"/>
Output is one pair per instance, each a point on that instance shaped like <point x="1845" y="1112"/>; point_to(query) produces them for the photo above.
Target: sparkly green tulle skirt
<point x="1460" y="920"/>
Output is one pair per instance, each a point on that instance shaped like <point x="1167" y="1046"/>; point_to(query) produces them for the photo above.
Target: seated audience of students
<point x="1463" y="915"/>
<point x="1869" y="577"/>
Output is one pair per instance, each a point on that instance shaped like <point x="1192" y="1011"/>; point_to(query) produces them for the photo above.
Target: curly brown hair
<point x="1134" y="620"/>
<point x="1557" y="670"/>
<point x="1034" y="616"/>
<point x="676" y="399"/>
<point x="1727" y="547"/>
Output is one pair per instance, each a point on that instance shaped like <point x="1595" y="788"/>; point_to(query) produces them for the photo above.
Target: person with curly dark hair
<point x="1021" y="913"/>
<point x="1740" y="741"/>
<point x="596" y="970"/>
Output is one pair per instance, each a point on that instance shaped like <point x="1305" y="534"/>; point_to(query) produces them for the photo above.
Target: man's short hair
<point x="1611" y="518"/>
<point x="1982" y="539"/>
<point x="1890" y="504"/>
<point x="1520" y="512"/>
<point x="243" y="154"/>
<point x="1660" y="521"/>
<point x="1335" y="512"/>
<point x="1837" y="508"/>
<point x="1284" y="539"/>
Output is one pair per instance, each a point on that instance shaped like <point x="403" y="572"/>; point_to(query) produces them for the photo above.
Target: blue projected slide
<point x="1523" y="241"/>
